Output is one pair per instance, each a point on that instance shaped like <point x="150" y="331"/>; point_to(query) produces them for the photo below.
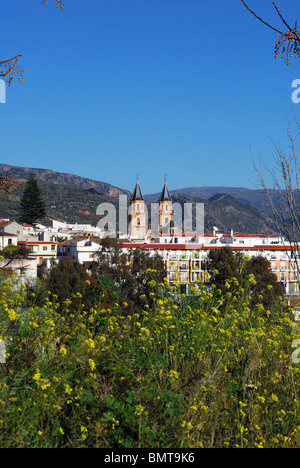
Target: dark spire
<point x="137" y="194"/>
<point x="165" y="195"/>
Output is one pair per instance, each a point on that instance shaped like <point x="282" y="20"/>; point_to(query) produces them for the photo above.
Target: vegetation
<point x="132" y="275"/>
<point x="32" y="205"/>
<point x="224" y="264"/>
<point x="210" y="370"/>
<point x="75" y="204"/>
<point x="8" y="184"/>
<point x="287" y="44"/>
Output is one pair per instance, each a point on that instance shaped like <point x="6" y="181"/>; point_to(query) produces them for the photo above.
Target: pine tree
<point x="32" y="205"/>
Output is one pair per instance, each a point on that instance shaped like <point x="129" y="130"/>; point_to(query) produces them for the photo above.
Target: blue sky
<point x="115" y="88"/>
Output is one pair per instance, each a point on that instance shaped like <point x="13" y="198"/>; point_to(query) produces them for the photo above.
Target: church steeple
<point x="166" y="214"/>
<point x="137" y="193"/>
<point x="165" y="195"/>
<point x="137" y="214"/>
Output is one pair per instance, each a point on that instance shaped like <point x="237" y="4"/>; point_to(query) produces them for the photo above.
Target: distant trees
<point x="32" y="205"/>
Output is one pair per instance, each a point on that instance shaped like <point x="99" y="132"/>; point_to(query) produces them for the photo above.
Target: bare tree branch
<point x="9" y="68"/>
<point x="284" y="197"/>
<point x="288" y="43"/>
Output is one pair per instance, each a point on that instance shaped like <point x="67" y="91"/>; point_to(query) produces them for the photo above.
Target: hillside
<point x="227" y="212"/>
<point x="77" y="205"/>
<point x="71" y="180"/>
<point x="255" y="198"/>
<point x="64" y="203"/>
<point x="72" y="199"/>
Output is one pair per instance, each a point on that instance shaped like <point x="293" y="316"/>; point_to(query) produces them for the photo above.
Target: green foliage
<point x="133" y="276"/>
<point x="32" y="205"/>
<point x="67" y="278"/>
<point x="208" y="371"/>
<point x="224" y="265"/>
<point x="266" y="284"/>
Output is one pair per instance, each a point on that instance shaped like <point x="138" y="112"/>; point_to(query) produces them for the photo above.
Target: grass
<point x="206" y="371"/>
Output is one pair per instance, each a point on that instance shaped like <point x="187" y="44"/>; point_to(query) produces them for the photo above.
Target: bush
<point x="206" y="371"/>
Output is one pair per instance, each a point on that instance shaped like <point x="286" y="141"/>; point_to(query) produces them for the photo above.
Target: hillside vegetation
<point x="77" y="205"/>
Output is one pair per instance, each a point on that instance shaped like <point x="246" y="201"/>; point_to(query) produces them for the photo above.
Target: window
<point x="167" y="207"/>
<point x="184" y="277"/>
<point x="166" y="220"/>
<point x="53" y="248"/>
<point x="45" y="248"/>
<point x="9" y="241"/>
<point x="139" y="221"/>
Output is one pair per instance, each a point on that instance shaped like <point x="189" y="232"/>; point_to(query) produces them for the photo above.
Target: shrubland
<point x="210" y="369"/>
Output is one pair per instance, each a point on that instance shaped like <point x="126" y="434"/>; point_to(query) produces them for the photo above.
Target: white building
<point x="7" y="239"/>
<point x="81" y="250"/>
<point x="12" y="227"/>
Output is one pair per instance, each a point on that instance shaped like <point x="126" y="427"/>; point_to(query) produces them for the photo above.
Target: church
<point x="162" y="215"/>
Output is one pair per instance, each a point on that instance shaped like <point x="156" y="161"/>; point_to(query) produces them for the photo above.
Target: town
<point x="184" y="253"/>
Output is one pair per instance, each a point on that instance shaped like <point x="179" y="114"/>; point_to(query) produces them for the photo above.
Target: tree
<point x="131" y="273"/>
<point x="67" y="278"/>
<point x="11" y="253"/>
<point x="10" y="68"/>
<point x="32" y="205"/>
<point x="266" y="285"/>
<point x="8" y="183"/>
<point x="284" y="196"/>
<point x="223" y="265"/>
<point x="288" y="41"/>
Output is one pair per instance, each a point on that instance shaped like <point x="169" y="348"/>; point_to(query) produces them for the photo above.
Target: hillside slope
<point x="71" y="180"/>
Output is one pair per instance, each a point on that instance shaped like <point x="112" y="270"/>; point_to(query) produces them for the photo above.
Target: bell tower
<point x="166" y="214"/>
<point x="137" y="214"/>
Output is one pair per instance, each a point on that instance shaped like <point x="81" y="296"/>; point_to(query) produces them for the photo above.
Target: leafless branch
<point x="288" y="42"/>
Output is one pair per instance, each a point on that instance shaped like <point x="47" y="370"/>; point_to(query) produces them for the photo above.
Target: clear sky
<point x="115" y="88"/>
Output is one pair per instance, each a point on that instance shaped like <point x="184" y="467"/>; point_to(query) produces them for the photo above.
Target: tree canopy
<point x="32" y="205"/>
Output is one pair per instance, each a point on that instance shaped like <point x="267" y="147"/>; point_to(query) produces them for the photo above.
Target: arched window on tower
<point x="138" y="221"/>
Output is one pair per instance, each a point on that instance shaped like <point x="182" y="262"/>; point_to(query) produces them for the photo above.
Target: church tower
<point x="166" y="214"/>
<point x="137" y="214"/>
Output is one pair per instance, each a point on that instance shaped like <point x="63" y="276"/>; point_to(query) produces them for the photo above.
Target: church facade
<point x="138" y="215"/>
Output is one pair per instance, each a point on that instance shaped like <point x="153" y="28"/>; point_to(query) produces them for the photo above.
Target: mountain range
<point x="72" y="199"/>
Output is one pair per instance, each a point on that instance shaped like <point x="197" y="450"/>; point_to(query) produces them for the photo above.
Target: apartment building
<point x="43" y="251"/>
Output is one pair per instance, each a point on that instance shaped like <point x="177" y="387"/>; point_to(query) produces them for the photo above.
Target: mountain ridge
<point x="74" y="199"/>
<point x="72" y="180"/>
